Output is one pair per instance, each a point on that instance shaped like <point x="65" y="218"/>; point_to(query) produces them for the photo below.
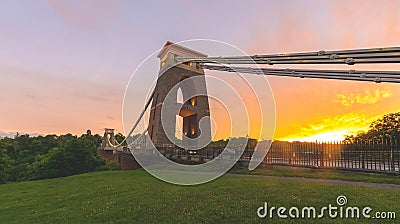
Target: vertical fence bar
<point x="375" y="145"/>
<point x="341" y="162"/>
<point x="288" y="152"/>
<point x="322" y="160"/>
<point x="329" y="154"/>
<point x="382" y="148"/>
<point x="367" y="153"/>
<point x="304" y="157"/>
<point x="387" y="149"/>
<point x="317" y="153"/>
<point x="351" y="155"/>
<point x="293" y="153"/>
<point x="398" y="155"/>
<point x="342" y="158"/>
<point x="372" y="153"/>
<point x="362" y="153"/>
<point x="295" y="157"/>
<point x="347" y="154"/>
<point x="308" y="153"/>
<point x="300" y="154"/>
<point x="368" y="156"/>
<point x="391" y="154"/>
<point x="334" y="154"/>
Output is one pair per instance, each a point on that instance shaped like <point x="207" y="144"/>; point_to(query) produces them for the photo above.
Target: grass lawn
<point x="137" y="197"/>
<point x="323" y="174"/>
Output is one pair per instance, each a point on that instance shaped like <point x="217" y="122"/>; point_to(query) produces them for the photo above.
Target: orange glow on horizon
<point x="330" y="136"/>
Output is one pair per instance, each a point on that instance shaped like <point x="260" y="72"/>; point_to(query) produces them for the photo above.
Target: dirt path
<point x="326" y="181"/>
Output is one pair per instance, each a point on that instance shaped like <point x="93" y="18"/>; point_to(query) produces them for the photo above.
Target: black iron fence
<point x="368" y="156"/>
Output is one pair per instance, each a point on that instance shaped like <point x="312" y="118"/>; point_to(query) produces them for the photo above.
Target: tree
<point x="384" y="129"/>
<point x="50" y="165"/>
<point x="388" y="125"/>
<point x="73" y="156"/>
<point x="5" y="165"/>
<point x="26" y="158"/>
<point x="119" y="138"/>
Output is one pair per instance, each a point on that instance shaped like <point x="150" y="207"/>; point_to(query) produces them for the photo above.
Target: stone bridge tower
<point x="108" y="137"/>
<point x="192" y="111"/>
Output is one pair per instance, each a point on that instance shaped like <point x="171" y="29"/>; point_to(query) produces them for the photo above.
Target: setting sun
<point x="330" y="136"/>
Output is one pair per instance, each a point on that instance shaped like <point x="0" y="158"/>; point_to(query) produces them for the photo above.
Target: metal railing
<point x="379" y="156"/>
<point x="367" y="155"/>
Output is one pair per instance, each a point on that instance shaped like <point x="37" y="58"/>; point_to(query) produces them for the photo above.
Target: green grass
<point x="137" y="197"/>
<point x="322" y="174"/>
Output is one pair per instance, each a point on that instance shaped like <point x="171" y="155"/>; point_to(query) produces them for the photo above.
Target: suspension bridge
<point x="178" y="63"/>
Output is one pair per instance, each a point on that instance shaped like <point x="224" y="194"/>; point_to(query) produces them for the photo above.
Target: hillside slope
<point x="137" y="197"/>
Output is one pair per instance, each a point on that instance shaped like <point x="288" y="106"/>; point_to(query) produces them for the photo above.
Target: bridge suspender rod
<point x="350" y="57"/>
<point x="141" y="114"/>
<point x="136" y="123"/>
<point x="355" y="75"/>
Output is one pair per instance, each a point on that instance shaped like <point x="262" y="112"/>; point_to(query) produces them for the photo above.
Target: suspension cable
<point x="355" y="75"/>
<point x="350" y="57"/>
<point x="136" y="123"/>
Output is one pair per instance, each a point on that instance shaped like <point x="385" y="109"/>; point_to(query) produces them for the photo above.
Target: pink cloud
<point x="88" y="14"/>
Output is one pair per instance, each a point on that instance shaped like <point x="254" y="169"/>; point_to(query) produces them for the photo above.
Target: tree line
<point x="383" y="130"/>
<point x="31" y="158"/>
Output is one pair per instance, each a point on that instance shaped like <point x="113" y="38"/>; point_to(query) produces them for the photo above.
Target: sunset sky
<point x="64" y="65"/>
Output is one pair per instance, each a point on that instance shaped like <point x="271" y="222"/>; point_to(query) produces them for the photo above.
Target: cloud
<point x="367" y="97"/>
<point x="31" y="96"/>
<point x="87" y="14"/>
<point x="4" y="134"/>
<point x="110" y="117"/>
<point x="283" y="28"/>
<point x="332" y="127"/>
<point x="382" y="19"/>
